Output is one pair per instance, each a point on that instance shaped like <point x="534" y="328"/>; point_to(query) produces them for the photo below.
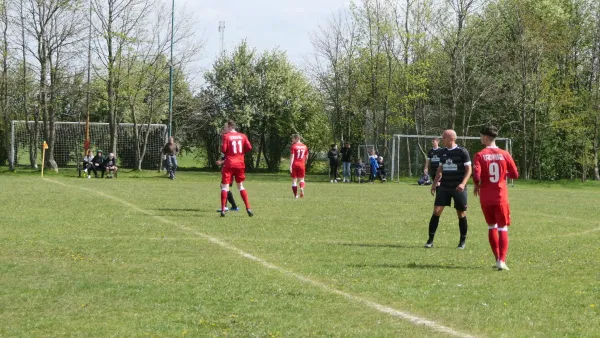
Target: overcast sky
<point x="265" y="24"/>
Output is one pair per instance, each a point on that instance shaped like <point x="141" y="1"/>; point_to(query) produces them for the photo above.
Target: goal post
<point x="409" y="151"/>
<point x="69" y="140"/>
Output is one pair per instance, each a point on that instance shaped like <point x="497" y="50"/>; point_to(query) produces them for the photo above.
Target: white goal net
<point x="27" y="139"/>
<point x="409" y="152"/>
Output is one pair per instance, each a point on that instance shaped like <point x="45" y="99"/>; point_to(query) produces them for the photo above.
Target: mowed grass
<point x="132" y="257"/>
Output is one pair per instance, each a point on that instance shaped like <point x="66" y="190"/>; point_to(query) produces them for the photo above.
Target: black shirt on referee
<point x="453" y="163"/>
<point x="452" y="174"/>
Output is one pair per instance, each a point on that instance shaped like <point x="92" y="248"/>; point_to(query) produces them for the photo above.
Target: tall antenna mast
<point x="222" y="38"/>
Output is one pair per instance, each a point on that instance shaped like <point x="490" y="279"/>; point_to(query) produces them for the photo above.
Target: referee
<point x="455" y="168"/>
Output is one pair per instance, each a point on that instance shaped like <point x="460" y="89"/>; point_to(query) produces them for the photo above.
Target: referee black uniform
<point x="454" y="163"/>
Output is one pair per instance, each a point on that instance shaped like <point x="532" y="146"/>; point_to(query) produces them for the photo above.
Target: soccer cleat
<point x="296" y="196"/>
<point x="428" y="245"/>
<point x="222" y="213"/>
<point x="498" y="265"/>
<point x="331" y="181"/>
<point x="250" y="213"/>
<point x="461" y="245"/>
<point x="234" y="209"/>
<point x="503" y="266"/>
<point x="301" y="193"/>
<point x="226" y="209"/>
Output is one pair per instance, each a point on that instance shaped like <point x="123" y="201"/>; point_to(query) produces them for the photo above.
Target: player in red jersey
<point x="234" y="145"/>
<point x="492" y="166"/>
<point x="298" y="164"/>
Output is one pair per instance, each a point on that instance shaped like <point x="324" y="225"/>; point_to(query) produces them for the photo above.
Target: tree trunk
<point x="595" y="142"/>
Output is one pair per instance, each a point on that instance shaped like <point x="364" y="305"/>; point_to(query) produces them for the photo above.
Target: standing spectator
<point x="381" y="173"/>
<point x="333" y="156"/>
<point x="88" y="163"/>
<point x="346" y="161"/>
<point x="170" y="150"/>
<point x="110" y="164"/>
<point x="373" y="166"/>
<point x="433" y="157"/>
<point x="98" y="163"/>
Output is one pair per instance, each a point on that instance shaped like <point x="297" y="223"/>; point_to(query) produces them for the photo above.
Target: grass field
<point x="145" y="256"/>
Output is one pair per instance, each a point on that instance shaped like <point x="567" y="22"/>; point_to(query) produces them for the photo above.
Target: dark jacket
<point x="98" y="159"/>
<point x="109" y="163"/>
<point x="171" y="149"/>
<point x="333" y="155"/>
<point x="346" y="154"/>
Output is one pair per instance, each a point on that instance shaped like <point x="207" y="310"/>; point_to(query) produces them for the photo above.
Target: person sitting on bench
<point x="88" y="164"/>
<point x="98" y="164"/>
<point x="110" y="166"/>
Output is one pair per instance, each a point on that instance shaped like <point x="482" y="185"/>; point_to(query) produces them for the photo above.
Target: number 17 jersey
<point x="491" y="167"/>
<point x="299" y="154"/>
<point x="234" y="145"/>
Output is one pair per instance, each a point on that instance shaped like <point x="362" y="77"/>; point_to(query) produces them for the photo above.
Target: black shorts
<point x="444" y="196"/>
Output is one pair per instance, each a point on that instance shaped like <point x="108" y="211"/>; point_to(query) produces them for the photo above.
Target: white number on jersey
<point x="494" y="170"/>
<point x="300" y="153"/>
<point x="236" y="145"/>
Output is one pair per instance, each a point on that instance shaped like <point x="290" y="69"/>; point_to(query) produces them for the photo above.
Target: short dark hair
<point x="296" y="136"/>
<point x="231" y="124"/>
<point x="490" y="131"/>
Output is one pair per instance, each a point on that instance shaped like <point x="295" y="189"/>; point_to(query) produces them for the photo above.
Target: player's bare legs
<point x="302" y="187"/>
<point x="244" y="195"/>
<point x="295" y="187"/>
<point x="503" y="246"/>
<point x="433" y="224"/>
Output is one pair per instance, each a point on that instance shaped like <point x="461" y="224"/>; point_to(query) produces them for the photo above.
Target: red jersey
<point x="234" y="146"/>
<point x="299" y="154"/>
<point x="491" y="167"/>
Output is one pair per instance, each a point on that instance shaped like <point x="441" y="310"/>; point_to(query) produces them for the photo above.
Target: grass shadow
<point x="378" y="245"/>
<point x="412" y="266"/>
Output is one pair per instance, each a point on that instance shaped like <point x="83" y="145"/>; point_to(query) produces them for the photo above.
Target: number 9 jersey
<point x="234" y="145"/>
<point x="491" y="167"/>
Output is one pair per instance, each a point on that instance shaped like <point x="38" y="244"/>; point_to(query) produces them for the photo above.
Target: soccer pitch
<point x="146" y="256"/>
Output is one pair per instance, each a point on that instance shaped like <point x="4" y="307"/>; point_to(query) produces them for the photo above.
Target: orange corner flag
<point x="45" y="145"/>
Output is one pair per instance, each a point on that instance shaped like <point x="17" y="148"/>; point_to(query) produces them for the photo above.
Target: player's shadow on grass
<point x="379" y="245"/>
<point x="179" y="209"/>
<point x="412" y="266"/>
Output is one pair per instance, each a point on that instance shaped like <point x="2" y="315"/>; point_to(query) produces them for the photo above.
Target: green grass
<point x="130" y="257"/>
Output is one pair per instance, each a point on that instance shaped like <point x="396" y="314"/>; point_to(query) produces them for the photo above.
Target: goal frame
<point x="396" y="147"/>
<point x="80" y="139"/>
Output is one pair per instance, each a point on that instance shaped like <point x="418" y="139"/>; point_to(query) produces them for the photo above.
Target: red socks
<point x="493" y="237"/>
<point x="223" y="199"/>
<point x="295" y="190"/>
<point x="244" y="195"/>
<point x="503" y="241"/>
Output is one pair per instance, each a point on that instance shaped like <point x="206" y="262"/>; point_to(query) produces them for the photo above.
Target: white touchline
<point x="379" y="307"/>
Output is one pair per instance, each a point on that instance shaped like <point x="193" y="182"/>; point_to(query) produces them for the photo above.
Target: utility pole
<point x="171" y="73"/>
<point x="222" y="38"/>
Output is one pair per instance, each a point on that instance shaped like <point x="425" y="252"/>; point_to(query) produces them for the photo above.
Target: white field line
<point x="379" y="307"/>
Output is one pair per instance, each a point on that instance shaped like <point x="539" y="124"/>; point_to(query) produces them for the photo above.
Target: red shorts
<point x="227" y="173"/>
<point x="298" y="172"/>
<point x="496" y="214"/>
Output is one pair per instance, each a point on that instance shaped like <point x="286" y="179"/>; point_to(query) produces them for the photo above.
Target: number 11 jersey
<point x="234" y="145"/>
<point x="491" y="167"/>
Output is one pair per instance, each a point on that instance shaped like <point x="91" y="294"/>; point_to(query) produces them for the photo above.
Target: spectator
<point x="170" y="150"/>
<point x="381" y="173"/>
<point x="424" y="180"/>
<point x="88" y="164"/>
<point x="346" y="161"/>
<point x="98" y="163"/>
<point x="360" y="169"/>
<point x="373" y="166"/>
<point x="110" y="165"/>
<point x="333" y="156"/>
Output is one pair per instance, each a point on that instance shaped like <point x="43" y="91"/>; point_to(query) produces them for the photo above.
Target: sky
<point x="265" y="24"/>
